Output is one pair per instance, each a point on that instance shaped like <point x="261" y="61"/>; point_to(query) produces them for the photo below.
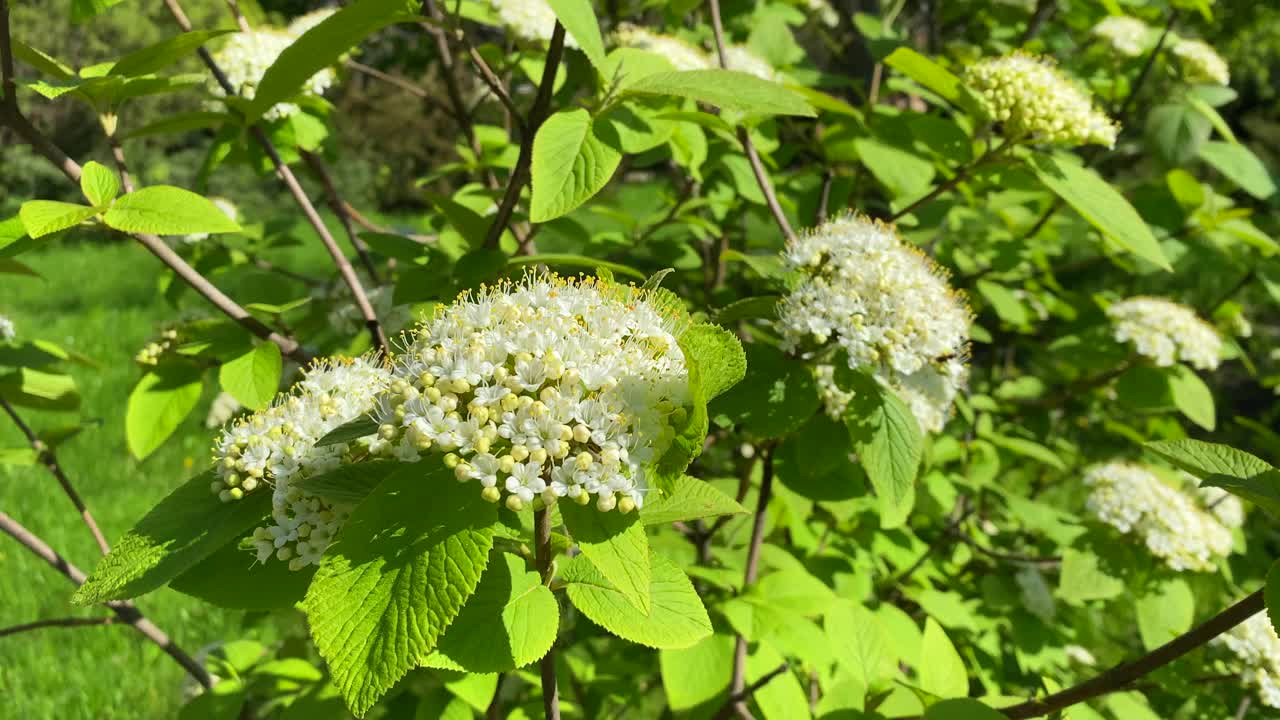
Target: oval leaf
<point x="167" y="210"/>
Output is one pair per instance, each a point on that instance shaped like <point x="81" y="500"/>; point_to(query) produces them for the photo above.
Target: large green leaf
<point x="889" y="444"/>
<point x="697" y="674"/>
<point x="322" y="46"/>
<point x="26" y="387"/>
<point x="254" y="377"/>
<point x="1240" y="166"/>
<point x="1262" y="490"/>
<point x="616" y="544"/>
<point x="719" y="356"/>
<point x="579" y="20"/>
<point x="162" y="54"/>
<point x="349" y="483"/>
<point x="776" y="396"/>
<point x="159" y="403"/>
<point x="167" y="210"/>
<point x="936" y="78"/>
<point x="689" y="499"/>
<point x="941" y="668"/>
<point x="398" y="574"/>
<point x="570" y="164"/>
<point x="183" y="529"/>
<point x="1099" y="203"/>
<point x="232" y="577"/>
<point x="509" y="622"/>
<point x="676" y="618"/>
<point x="45" y="217"/>
<point x="962" y="709"/>
<point x="1204" y="458"/>
<point x="1165" y="612"/>
<point x="725" y="89"/>
<point x="861" y="643"/>
<point x="1191" y="396"/>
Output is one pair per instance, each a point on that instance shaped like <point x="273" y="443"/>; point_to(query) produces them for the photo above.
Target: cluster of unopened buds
<point x="152" y="352"/>
<point x="1036" y="101"/>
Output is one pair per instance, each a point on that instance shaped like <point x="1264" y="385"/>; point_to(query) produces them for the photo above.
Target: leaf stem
<point x="56" y="622"/>
<point x="542" y="553"/>
<point x="736" y="699"/>
<point x="962" y="173"/>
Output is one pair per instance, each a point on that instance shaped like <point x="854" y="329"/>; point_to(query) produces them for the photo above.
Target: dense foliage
<point x="776" y="360"/>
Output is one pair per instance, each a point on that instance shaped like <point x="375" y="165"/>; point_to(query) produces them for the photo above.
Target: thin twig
<point x="733" y="700"/>
<point x="744" y="136"/>
<point x="520" y="174"/>
<point x="50" y="460"/>
<point x="126" y="611"/>
<point x="57" y="622"/>
<point x="339" y="207"/>
<point x="749" y="576"/>
<point x="542" y="552"/>
<point x="386" y="77"/>
<point x="824" y="198"/>
<point x="1146" y="67"/>
<point x="961" y="174"/>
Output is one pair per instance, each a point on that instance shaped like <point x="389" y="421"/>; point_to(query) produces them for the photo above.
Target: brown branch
<point x="57" y="622"/>
<point x="71" y="169"/>
<point x="962" y="173"/>
<point x="8" y="78"/>
<point x="547" y="665"/>
<point x="339" y="207"/>
<point x="749" y="577"/>
<point x="386" y="77"/>
<point x="520" y="174"/>
<point x="46" y="455"/>
<point x="1146" y="67"/>
<point x="744" y="137"/>
<point x="127" y="612"/>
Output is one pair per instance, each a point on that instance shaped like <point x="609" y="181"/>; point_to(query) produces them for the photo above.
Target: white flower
<point x="277" y="446"/>
<point x="7" y="330"/>
<point x="303" y="23"/>
<point x="1165" y="332"/>
<point x="1126" y="35"/>
<point x="822" y="9"/>
<point x="681" y="55"/>
<point x="744" y="59"/>
<point x="1256" y="646"/>
<point x="227" y="207"/>
<point x="1201" y="63"/>
<point x="222" y="409"/>
<point x="1224" y="506"/>
<point x="544" y="387"/>
<point x="1080" y="655"/>
<point x="245" y="59"/>
<point x="531" y="20"/>
<point x="1036" y="101"/>
<point x="863" y="290"/>
<point x="1175" y="525"/>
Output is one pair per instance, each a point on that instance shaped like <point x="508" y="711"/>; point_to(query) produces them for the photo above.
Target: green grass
<point x="104" y="301"/>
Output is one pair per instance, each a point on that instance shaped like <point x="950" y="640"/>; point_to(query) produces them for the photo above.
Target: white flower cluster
<point x="276" y="446"/>
<point x="681" y="55"/>
<point x="1255" y="644"/>
<point x="1222" y="504"/>
<point x="223" y="408"/>
<point x="685" y="56"/>
<point x="227" y="207"/>
<point x="531" y="20"/>
<point x="863" y="290"/>
<point x="546" y="387"/>
<point x="1037" y="101"/>
<point x="1126" y="35"/>
<point x="1201" y="63"/>
<point x="245" y="59"/>
<point x="1176" y="526"/>
<point x="822" y="9"/>
<point x="7" y="330"/>
<point x="1165" y="332"/>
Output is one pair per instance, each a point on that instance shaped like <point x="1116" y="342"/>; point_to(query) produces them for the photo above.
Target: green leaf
<point x="962" y="709"/>
<point x="159" y="403"/>
<point x="167" y="210"/>
<point x="321" y="47"/>
<point x="45" y="217"/>
<point x="183" y="529"/>
<point x="904" y="173"/>
<point x="568" y="260"/>
<point x="254" y="377"/>
<point x="349" y="483"/>
<point x="719" y="355"/>
<point x="616" y="544"/>
<point x="98" y="183"/>
<point x="1099" y="203"/>
<point x="509" y="622"/>
<point x="1271" y="594"/>
<point x="1204" y="458"/>
<point x="570" y="164"/>
<point x="689" y="499"/>
<point x="887" y="439"/>
<point x="1262" y="490"/>
<point x="1165" y="612"/>
<point x="181" y="122"/>
<point x="354" y="430"/>
<point x="26" y="387"/>
<point x="1240" y="166"/>
<point x="689" y="425"/>
<point x="1192" y="396"/>
<point x="163" y="54"/>
<point x="579" y="20"/>
<point x="233" y="578"/>
<point x="398" y="574"/>
<point x="936" y="78"/>
<point x="776" y="396"/>
<point x="697" y="674"/>
<point x="676" y="618"/>
<point x="941" y="669"/>
<point x="635" y="126"/>
<point x="727" y="90"/>
<point x="42" y="61"/>
<point x="1082" y="579"/>
<point x="18" y="457"/>
<point x="1177" y="131"/>
<point x="861" y="643"/>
